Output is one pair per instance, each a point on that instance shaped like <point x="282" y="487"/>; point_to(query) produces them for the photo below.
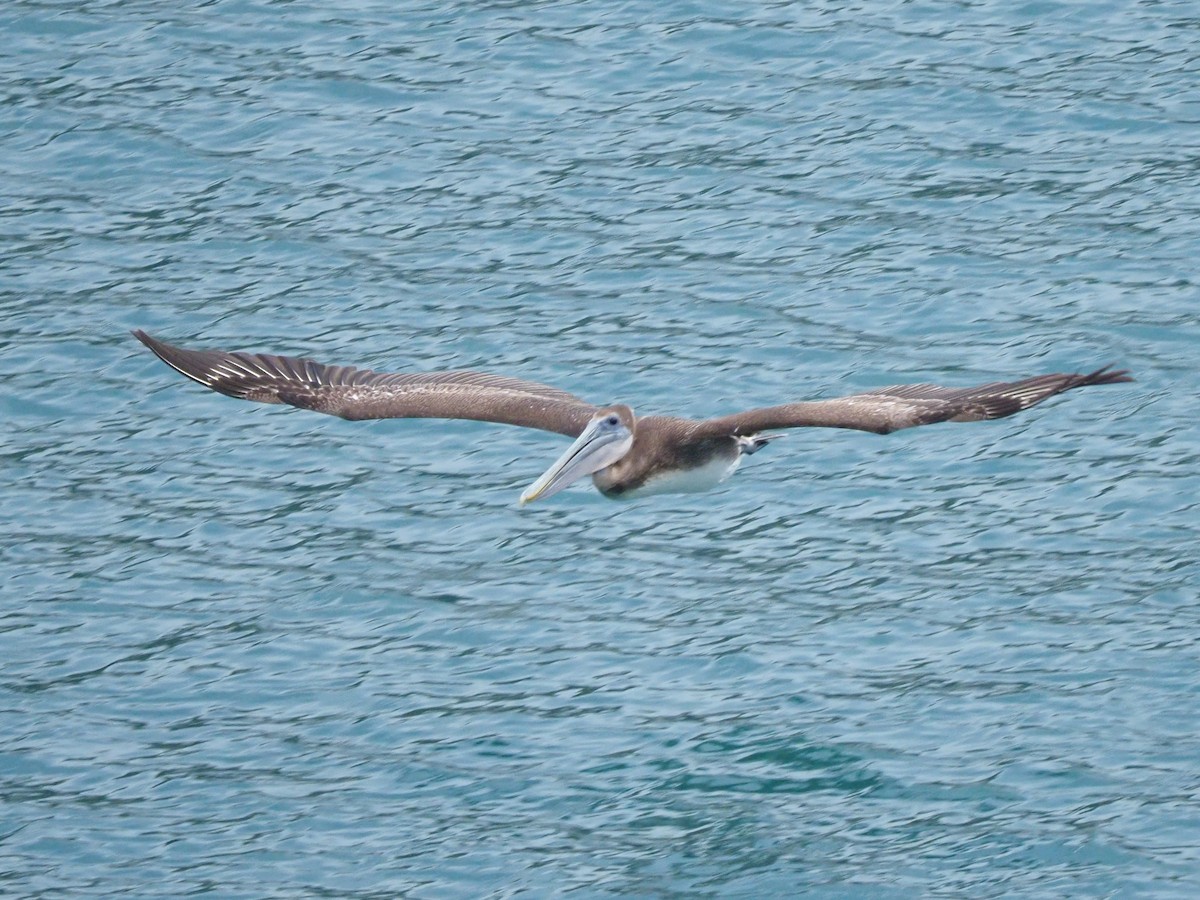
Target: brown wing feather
<point x="908" y="405"/>
<point x="363" y="394"/>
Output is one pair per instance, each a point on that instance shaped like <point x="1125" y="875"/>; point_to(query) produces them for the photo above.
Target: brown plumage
<point x="655" y="452"/>
<point x="362" y="394"/>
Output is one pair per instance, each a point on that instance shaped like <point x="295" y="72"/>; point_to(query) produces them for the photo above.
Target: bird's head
<point x="604" y="441"/>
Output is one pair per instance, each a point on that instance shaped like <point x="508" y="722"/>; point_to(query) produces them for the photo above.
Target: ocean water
<point x="247" y="651"/>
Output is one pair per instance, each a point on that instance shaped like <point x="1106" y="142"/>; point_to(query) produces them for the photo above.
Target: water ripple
<point x="245" y="650"/>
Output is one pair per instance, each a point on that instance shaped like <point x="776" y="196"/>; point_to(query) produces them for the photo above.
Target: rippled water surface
<point x="255" y="652"/>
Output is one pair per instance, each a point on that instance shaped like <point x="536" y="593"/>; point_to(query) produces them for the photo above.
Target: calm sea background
<point x="251" y="652"/>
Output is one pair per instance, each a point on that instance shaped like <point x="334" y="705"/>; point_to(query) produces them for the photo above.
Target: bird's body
<point x="664" y="459"/>
<point x="625" y="455"/>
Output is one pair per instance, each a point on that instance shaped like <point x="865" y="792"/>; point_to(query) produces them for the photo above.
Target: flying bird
<point x="626" y="456"/>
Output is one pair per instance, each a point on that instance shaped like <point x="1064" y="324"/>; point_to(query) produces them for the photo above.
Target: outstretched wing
<point x="363" y="394"/>
<point x="907" y="405"/>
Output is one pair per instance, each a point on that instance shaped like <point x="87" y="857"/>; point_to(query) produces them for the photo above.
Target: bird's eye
<point x="612" y="420"/>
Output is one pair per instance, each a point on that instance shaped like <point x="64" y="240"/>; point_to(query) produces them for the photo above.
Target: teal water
<point x="253" y="652"/>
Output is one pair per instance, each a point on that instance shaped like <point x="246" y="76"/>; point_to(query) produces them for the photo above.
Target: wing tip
<point x="168" y="353"/>
<point x="198" y="365"/>
<point x="145" y="338"/>
<point x="162" y="350"/>
<point x="1107" y="374"/>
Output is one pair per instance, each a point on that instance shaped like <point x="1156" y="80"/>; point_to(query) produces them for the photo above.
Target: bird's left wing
<point x="907" y="405"/>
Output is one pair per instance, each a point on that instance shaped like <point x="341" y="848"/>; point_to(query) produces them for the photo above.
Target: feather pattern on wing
<point x="353" y="393"/>
<point x="908" y="405"/>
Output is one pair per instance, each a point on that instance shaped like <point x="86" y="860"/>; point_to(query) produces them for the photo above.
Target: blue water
<point x="254" y="652"/>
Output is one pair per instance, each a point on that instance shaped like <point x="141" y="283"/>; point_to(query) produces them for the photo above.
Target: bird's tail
<point x="752" y="443"/>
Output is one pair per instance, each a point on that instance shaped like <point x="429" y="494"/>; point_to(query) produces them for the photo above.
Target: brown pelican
<point x="626" y="456"/>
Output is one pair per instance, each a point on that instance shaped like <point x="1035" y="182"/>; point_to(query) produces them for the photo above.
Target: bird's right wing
<point x="363" y="394"/>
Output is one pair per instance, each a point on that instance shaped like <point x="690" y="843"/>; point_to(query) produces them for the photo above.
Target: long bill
<point x="600" y="445"/>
